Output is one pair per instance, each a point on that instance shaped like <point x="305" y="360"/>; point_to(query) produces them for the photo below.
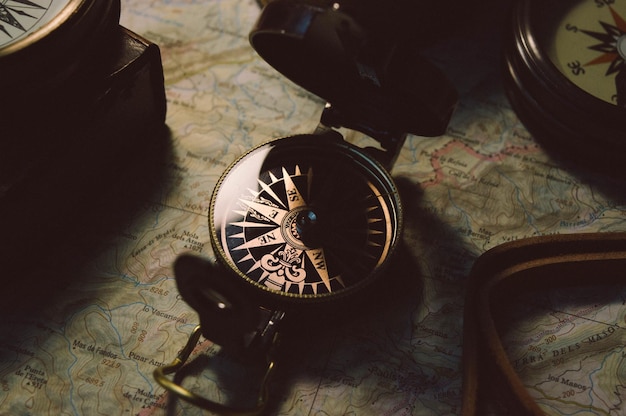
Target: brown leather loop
<point x="535" y="263"/>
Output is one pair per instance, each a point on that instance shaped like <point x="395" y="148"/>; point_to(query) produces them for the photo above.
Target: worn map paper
<point x="92" y="349"/>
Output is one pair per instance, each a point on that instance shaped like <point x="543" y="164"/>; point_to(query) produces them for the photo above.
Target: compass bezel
<point x="62" y="17"/>
<point x="77" y="14"/>
<point x="306" y="143"/>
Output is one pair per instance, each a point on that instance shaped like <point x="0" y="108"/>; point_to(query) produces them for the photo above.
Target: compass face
<point x="303" y="218"/>
<point x="589" y="47"/>
<point x="21" y="18"/>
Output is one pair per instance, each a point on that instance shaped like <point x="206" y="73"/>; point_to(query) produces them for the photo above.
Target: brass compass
<point x="306" y="218"/>
<point x="566" y="77"/>
<point x="590" y="48"/>
<point x="303" y="225"/>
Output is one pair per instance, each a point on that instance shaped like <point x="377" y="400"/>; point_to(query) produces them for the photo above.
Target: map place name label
<point x="567" y="382"/>
<point x="143" y="359"/>
<point x="93" y="348"/>
<point x="146" y="398"/>
<point x="36" y="378"/>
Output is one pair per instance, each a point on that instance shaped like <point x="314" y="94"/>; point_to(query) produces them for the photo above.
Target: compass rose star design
<point x="9" y="9"/>
<point x="612" y="46"/>
<point x="290" y="239"/>
<point x="282" y="268"/>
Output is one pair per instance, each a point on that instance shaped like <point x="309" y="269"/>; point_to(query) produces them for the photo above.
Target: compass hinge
<point x="390" y="141"/>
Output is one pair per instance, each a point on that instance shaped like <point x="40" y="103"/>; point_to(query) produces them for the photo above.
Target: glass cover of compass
<point x="306" y="218"/>
<point x="20" y="19"/>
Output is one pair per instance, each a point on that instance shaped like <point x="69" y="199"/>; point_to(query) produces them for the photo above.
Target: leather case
<point x="538" y="263"/>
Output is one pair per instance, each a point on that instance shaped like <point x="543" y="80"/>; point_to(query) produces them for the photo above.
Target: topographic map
<point x="93" y="348"/>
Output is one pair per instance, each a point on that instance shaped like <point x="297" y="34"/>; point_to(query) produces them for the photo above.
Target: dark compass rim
<point x="363" y="165"/>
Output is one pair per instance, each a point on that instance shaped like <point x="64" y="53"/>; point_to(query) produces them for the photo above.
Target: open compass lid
<point x="349" y="53"/>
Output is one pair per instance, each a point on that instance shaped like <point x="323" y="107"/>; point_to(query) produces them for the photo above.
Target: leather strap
<point x="531" y="264"/>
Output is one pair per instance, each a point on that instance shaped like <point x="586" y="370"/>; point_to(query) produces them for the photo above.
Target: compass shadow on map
<point x="380" y="336"/>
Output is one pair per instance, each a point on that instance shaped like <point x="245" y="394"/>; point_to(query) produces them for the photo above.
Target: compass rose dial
<point x="300" y="218"/>
<point x="566" y="79"/>
<point x="590" y="47"/>
<point x="21" y="18"/>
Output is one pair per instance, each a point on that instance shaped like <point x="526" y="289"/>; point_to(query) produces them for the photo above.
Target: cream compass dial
<point x="590" y="47"/>
<point x="21" y="18"/>
<point x="566" y="79"/>
<point x="301" y="219"/>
